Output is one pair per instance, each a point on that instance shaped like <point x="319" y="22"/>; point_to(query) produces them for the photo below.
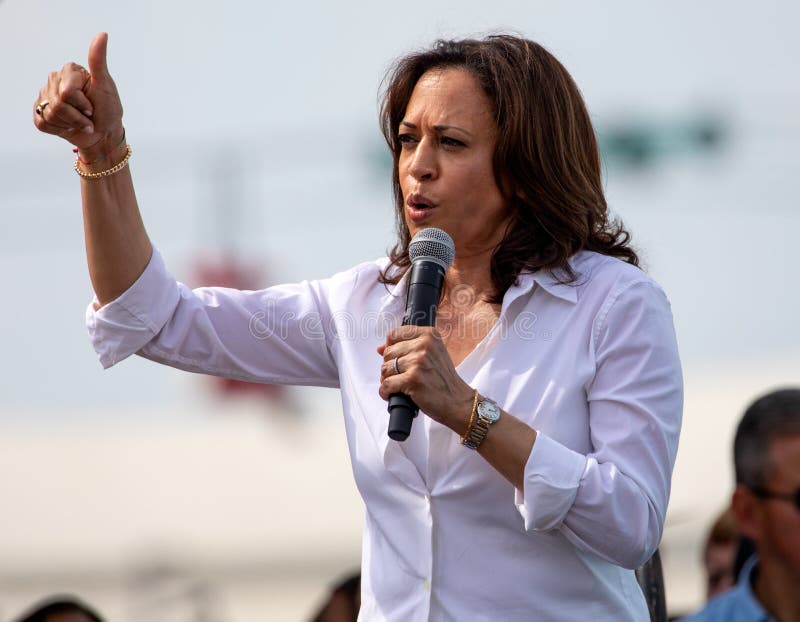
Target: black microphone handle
<point x="402" y="411"/>
<point x="424" y="291"/>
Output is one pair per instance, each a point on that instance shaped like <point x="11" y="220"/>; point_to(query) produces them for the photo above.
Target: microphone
<point x="431" y="252"/>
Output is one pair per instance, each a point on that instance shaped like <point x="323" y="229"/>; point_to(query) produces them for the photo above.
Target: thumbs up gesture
<point x="82" y="107"/>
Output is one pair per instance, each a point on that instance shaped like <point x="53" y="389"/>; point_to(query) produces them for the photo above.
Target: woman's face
<point x="448" y="138"/>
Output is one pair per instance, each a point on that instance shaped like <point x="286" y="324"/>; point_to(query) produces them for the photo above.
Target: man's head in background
<point x="766" y="502"/>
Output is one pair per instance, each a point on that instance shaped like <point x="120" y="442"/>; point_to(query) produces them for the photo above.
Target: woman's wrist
<point x="105" y="153"/>
<point x="459" y="414"/>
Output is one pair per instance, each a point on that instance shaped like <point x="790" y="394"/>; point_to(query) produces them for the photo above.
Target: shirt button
<point x="427" y="585"/>
<point x="427" y="501"/>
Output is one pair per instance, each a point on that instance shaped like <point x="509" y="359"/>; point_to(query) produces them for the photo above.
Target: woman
<point x="551" y="384"/>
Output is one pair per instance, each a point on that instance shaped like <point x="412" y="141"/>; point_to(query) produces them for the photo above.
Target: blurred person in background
<point x="343" y="602"/>
<point x="766" y="504"/>
<point x="744" y="552"/>
<point x="539" y="477"/>
<point x="60" y="609"/>
<point x="719" y="554"/>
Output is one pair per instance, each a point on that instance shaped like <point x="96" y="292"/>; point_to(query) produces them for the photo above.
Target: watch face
<point x="488" y="410"/>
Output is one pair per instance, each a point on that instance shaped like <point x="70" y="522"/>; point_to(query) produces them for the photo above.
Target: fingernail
<point x="88" y="129"/>
<point x="88" y="113"/>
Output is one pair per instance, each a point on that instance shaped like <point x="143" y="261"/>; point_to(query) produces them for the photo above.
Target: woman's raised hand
<point x="82" y="107"/>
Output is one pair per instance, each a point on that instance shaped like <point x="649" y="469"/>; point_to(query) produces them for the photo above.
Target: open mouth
<point x="418" y="201"/>
<point x="419" y="211"/>
<point x="419" y="207"/>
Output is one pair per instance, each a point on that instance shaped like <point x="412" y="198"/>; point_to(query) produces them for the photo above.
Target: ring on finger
<point x="394" y="364"/>
<point x="41" y="106"/>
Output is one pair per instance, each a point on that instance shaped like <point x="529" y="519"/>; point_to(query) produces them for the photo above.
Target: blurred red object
<point x="228" y="271"/>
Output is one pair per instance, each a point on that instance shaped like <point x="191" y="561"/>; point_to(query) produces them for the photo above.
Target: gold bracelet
<point x="471" y="418"/>
<point x="109" y="171"/>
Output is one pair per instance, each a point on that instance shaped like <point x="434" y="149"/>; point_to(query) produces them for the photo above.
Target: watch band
<point x="479" y="422"/>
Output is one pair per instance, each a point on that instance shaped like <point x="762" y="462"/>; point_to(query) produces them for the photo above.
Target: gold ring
<point x="396" y="368"/>
<point x="41" y="106"/>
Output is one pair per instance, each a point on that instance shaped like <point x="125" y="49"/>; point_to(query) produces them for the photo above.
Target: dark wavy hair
<point x="546" y="161"/>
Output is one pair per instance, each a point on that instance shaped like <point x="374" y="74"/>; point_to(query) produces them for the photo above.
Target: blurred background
<point x="164" y="496"/>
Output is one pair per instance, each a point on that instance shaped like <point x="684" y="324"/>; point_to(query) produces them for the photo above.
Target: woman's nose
<point x="423" y="164"/>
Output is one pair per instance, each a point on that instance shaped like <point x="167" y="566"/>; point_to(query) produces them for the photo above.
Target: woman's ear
<point x="508" y="188"/>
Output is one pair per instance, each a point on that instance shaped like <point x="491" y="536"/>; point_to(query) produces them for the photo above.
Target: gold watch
<point x="487" y="412"/>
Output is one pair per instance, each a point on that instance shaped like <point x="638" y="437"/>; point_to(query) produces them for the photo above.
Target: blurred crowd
<point x="751" y="554"/>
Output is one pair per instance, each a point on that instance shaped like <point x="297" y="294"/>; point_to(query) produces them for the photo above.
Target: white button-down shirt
<point x="592" y="365"/>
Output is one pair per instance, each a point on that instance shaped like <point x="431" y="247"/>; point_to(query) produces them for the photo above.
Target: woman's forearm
<point x="508" y="447"/>
<point x="117" y="246"/>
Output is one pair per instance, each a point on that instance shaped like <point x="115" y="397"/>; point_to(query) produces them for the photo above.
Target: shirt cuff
<point x="125" y="325"/>
<point x="551" y="479"/>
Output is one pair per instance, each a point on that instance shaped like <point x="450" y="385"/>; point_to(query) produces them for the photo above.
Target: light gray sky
<point x="291" y="90"/>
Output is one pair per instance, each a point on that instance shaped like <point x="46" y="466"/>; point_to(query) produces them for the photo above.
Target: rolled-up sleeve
<point x="128" y="323"/>
<point x="552" y="477"/>
<point x="612" y="502"/>
<point x="277" y="335"/>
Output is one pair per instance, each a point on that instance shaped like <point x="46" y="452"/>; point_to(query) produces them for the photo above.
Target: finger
<point x="388" y="387"/>
<point x="404" y="333"/>
<point x="40" y="106"/>
<point x="388" y="368"/>
<point x="403" y="383"/>
<point x="79" y="100"/>
<point x="65" y="116"/>
<point x="71" y="88"/>
<point x="98" y="62"/>
<point x="418" y="338"/>
<point x="401" y="348"/>
<point x="384" y="391"/>
<point x="51" y="120"/>
<point x="71" y="105"/>
<point x="42" y="97"/>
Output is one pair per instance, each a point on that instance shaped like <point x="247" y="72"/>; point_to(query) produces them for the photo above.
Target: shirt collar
<point x="392" y="305"/>
<point x="750" y="608"/>
<point x="553" y="282"/>
<point x="398" y="290"/>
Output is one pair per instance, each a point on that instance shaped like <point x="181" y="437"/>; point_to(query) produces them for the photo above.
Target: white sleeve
<point x="612" y="502"/>
<point x="279" y="335"/>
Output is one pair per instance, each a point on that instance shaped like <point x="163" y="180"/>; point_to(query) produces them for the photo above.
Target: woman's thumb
<point x="97" y="56"/>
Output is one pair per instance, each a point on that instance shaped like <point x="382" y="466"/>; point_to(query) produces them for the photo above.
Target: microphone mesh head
<point x="433" y="244"/>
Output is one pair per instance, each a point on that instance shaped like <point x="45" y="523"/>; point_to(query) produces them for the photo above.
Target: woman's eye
<point x="405" y="139"/>
<point x="453" y="142"/>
